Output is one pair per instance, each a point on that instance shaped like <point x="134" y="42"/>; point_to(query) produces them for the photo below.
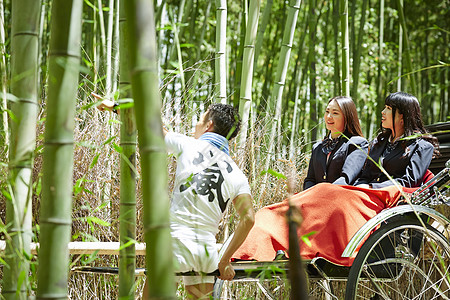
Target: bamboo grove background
<point x="277" y="61"/>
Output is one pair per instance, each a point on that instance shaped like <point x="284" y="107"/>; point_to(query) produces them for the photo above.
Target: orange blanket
<point x="334" y="212"/>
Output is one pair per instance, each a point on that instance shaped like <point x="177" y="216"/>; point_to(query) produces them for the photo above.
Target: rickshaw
<point x="402" y="253"/>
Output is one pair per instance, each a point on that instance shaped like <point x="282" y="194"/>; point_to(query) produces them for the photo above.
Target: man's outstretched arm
<point x="244" y="208"/>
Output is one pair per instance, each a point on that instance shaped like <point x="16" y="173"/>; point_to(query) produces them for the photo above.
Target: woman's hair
<point x="408" y="105"/>
<point x="348" y="108"/>
<point x="226" y="119"/>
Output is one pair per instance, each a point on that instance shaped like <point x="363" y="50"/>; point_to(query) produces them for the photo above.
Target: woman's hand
<point x="226" y="270"/>
<point x="364" y="186"/>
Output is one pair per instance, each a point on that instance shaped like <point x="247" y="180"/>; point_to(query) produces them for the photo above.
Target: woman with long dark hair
<point x="403" y="148"/>
<point x="340" y="156"/>
<point x="332" y="212"/>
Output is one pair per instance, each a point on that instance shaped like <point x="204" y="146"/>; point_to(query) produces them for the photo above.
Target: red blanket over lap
<point x="334" y="212"/>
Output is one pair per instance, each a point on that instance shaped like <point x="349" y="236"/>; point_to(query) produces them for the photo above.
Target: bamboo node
<point x="56" y="143"/>
<point x="249" y="46"/>
<point x="28" y="101"/>
<point x="156" y="227"/>
<point x="57" y="221"/>
<point x="150" y="149"/>
<point x="32" y="33"/>
<point x="128" y="143"/>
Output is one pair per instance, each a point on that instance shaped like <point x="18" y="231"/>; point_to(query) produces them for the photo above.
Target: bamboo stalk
<point x="108" y="57"/>
<point x="407" y="52"/>
<point x="380" y="75"/>
<point x="128" y="132"/>
<point x="265" y="18"/>
<point x="24" y="79"/>
<point x="56" y="204"/>
<point x="400" y="58"/>
<point x="145" y="88"/>
<point x="4" y="128"/>
<point x="313" y="103"/>
<point x="221" y="48"/>
<point x="337" y="72"/>
<point x="247" y="70"/>
<point x="280" y="77"/>
<point x="357" y="53"/>
<point x="345" y="49"/>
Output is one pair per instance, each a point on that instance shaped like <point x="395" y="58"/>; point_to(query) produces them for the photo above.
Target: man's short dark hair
<point x="226" y="119"/>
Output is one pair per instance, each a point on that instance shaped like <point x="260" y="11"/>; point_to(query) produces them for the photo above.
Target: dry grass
<point x="96" y="192"/>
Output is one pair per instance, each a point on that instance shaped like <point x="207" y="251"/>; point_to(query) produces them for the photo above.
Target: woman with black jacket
<point x="340" y="156"/>
<point x="403" y="149"/>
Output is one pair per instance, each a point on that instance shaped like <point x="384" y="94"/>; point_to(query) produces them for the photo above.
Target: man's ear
<point x="209" y="126"/>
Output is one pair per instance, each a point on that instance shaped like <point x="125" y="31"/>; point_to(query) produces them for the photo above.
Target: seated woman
<point x="333" y="213"/>
<point x="336" y="158"/>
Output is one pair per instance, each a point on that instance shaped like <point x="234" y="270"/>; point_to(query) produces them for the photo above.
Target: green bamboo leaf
<point x="88" y="3"/>
<point x="117" y="148"/>
<point x="9" y="97"/>
<point x="274" y="173"/>
<point x="90" y="105"/>
<point x="20" y="281"/>
<point x="108" y="140"/>
<point x="113" y="121"/>
<point x="6" y="194"/>
<point x="187" y="45"/>
<point x="88" y="259"/>
<point x="38" y="185"/>
<point x="101" y="206"/>
<point x="305" y="238"/>
<point x="125" y="105"/>
<point x="97" y="221"/>
<point x="94" y="161"/>
<point x="127" y="244"/>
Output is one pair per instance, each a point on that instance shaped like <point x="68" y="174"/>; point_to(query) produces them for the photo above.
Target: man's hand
<point x="106" y="103"/>
<point x="226" y="270"/>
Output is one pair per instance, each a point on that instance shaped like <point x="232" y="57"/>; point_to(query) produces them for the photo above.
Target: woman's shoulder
<point x="317" y="144"/>
<point x="359" y="140"/>
<point x="422" y="143"/>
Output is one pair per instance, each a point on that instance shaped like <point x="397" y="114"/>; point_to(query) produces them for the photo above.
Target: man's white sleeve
<point x="175" y="142"/>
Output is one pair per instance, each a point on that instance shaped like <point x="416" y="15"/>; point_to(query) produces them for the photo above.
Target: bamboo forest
<point x="83" y="190"/>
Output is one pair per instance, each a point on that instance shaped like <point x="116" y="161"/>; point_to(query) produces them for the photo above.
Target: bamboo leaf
<point x="97" y="221"/>
<point x="94" y="161"/>
<point x="305" y="238"/>
<point x="108" y="140"/>
<point x="38" y="185"/>
<point x="274" y="173"/>
<point x="101" y="206"/>
<point x="6" y="194"/>
<point x="127" y="244"/>
<point x="90" y="258"/>
<point x="117" y="148"/>
<point x="441" y="65"/>
<point x="9" y="97"/>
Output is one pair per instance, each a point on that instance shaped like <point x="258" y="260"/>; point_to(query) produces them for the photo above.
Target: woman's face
<point x="386" y="119"/>
<point x="334" y="118"/>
